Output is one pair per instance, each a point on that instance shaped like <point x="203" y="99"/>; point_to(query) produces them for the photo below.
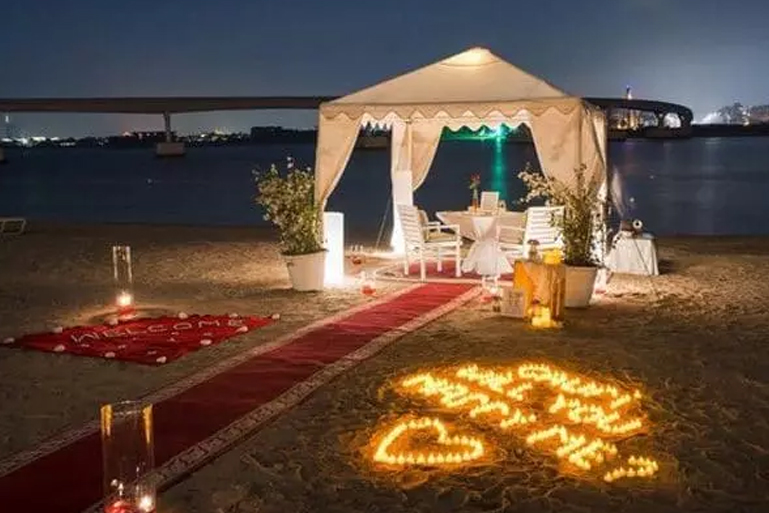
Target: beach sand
<point x="693" y="339"/>
<point x="62" y="276"/>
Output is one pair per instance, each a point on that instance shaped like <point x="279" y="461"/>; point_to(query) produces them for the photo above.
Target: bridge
<point x="166" y="106"/>
<point x="161" y="105"/>
<point x="660" y="109"/>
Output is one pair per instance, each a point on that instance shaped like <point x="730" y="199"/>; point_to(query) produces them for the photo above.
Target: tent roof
<point x="473" y="76"/>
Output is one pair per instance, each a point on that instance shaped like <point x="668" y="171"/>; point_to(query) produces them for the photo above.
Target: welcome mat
<point x="148" y="341"/>
<point x="202" y="416"/>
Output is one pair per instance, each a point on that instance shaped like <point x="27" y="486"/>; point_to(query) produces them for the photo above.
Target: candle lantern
<point x="541" y="316"/>
<point x="127" y="457"/>
<point x="545" y="285"/>
<point x="356" y="255"/>
<point x="491" y="290"/>
<point x="533" y="250"/>
<point x="555" y="277"/>
<point x="123" y="277"/>
<point x="367" y="284"/>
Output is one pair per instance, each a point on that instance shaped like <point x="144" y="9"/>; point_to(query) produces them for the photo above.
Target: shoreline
<point x="266" y="232"/>
<point x="381" y="142"/>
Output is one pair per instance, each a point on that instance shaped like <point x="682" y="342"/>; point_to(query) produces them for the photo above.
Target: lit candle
<point x="147" y="504"/>
<point x="124" y="300"/>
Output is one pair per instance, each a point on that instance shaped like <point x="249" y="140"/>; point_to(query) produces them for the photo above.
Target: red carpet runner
<point x="202" y="420"/>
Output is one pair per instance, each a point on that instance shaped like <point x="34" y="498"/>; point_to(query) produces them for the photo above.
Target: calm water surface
<point x="699" y="186"/>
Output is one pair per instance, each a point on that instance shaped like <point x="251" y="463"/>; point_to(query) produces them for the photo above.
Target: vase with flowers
<point x="475" y="185"/>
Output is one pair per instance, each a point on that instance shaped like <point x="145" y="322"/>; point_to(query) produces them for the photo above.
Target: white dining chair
<point x="433" y="240"/>
<point x="541" y="225"/>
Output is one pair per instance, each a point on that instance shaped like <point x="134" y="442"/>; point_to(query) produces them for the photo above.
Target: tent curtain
<point x="565" y="141"/>
<point x="425" y="138"/>
<point x="563" y="138"/>
<point x="400" y="176"/>
<point x="556" y="140"/>
<point x="336" y="140"/>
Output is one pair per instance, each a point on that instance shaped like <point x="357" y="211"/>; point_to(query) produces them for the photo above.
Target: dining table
<point x="482" y="227"/>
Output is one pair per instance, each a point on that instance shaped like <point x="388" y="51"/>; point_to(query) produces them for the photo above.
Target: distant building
<point x="735" y="114"/>
<point x="759" y="114"/>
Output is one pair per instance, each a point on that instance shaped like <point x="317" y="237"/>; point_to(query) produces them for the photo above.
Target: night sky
<point x="701" y="53"/>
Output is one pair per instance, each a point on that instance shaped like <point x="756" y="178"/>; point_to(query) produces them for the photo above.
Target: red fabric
<point x="71" y="476"/>
<point x="148" y="341"/>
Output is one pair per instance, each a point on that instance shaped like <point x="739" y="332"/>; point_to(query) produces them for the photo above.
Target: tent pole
<point x="579" y="135"/>
<point x="409" y="144"/>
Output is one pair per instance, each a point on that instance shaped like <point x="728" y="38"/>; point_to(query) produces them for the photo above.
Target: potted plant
<point x="582" y="207"/>
<point x="288" y="200"/>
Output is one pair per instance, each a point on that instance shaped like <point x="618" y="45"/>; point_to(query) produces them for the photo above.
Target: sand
<point x="693" y="339"/>
<point x="62" y="276"/>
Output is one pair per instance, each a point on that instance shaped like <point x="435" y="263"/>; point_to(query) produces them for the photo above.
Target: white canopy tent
<point x="472" y="89"/>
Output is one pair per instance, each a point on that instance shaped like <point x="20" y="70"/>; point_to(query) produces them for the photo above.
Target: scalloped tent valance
<point x="474" y="88"/>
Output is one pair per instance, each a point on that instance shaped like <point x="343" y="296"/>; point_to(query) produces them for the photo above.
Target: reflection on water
<point x="499" y="170"/>
<point x="699" y="186"/>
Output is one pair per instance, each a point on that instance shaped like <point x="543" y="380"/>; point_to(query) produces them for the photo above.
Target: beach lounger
<point x="12" y="225"/>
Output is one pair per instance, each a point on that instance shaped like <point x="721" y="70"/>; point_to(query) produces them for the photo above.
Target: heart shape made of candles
<point x="458" y="449"/>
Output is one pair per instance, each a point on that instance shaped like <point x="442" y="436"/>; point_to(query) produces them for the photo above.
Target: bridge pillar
<point x="661" y="119"/>
<point x="2" y="156"/>
<point x="169" y="147"/>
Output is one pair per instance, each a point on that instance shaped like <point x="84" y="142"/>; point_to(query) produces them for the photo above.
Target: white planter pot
<point x="580" y="282"/>
<point x="306" y="271"/>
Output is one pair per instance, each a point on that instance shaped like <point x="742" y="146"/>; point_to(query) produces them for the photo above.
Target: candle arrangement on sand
<point x="575" y="419"/>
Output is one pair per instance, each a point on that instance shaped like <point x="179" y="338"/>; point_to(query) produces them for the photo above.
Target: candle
<point x="552" y="257"/>
<point x="124" y="300"/>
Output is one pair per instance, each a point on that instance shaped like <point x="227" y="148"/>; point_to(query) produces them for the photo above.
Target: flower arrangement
<point x="475" y="182"/>
<point x="581" y="208"/>
<point x="475" y="185"/>
<point x="288" y="200"/>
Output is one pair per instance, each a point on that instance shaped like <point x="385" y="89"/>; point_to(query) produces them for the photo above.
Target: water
<point x="698" y="186"/>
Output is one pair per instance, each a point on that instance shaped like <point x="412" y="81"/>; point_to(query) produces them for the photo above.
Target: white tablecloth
<point x="484" y="257"/>
<point x="465" y="218"/>
<point x="633" y="255"/>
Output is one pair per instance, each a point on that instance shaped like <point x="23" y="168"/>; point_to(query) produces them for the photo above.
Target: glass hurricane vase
<point x="128" y="457"/>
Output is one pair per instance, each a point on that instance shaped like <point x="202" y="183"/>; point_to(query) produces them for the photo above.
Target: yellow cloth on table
<point x="543" y="283"/>
<point x="521" y="280"/>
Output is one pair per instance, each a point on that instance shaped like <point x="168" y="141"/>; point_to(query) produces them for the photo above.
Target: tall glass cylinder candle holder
<point x="123" y="277"/>
<point x="128" y="457"/>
